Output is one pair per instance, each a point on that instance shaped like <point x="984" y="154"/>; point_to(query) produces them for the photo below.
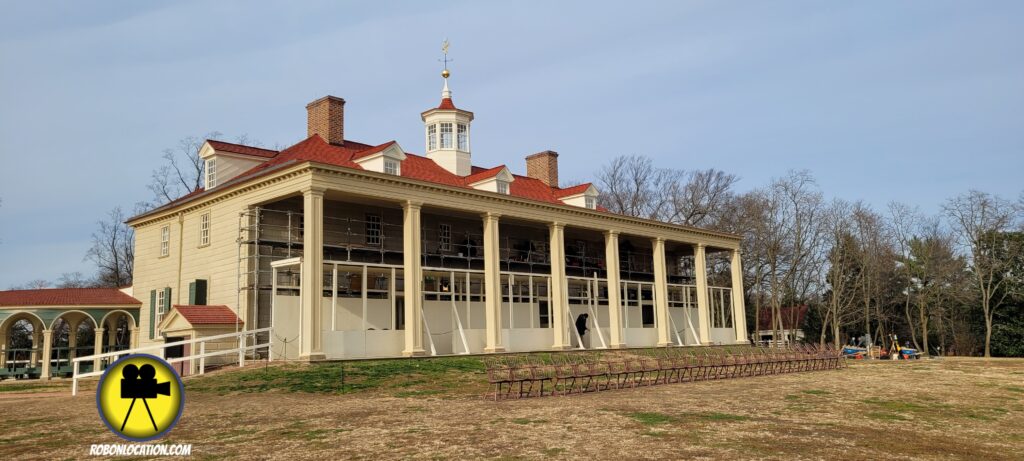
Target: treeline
<point x="952" y="283"/>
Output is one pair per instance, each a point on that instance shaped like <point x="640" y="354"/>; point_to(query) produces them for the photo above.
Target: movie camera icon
<point x="140" y="383"/>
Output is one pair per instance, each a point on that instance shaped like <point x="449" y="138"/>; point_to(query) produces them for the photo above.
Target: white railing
<point x="241" y="349"/>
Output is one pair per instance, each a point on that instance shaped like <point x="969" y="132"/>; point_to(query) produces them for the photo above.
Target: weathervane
<point x="444" y="49"/>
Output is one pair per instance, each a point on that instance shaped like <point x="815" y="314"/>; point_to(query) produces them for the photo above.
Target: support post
<point x="700" y="265"/>
<point x="492" y="284"/>
<point x="312" y="275"/>
<point x="72" y="340"/>
<point x="611" y="259"/>
<point x="660" y="291"/>
<point x="413" y="277"/>
<point x="558" y="290"/>
<point x="739" y="310"/>
<point x="97" y="347"/>
<point x="47" y="344"/>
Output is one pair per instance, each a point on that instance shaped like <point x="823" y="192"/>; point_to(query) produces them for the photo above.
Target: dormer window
<point x="446" y="135"/>
<point x="502" y="187"/>
<point x="211" y="173"/>
<point x="431" y="137"/>
<point x="463" y="137"/>
<point x="591" y="203"/>
<point x="391" y="166"/>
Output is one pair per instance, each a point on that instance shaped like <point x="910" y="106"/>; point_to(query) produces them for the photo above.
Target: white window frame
<point x="391" y="166"/>
<point x="211" y="173"/>
<point x="444" y="237"/>
<point x="204" y="229"/>
<point x="165" y="241"/>
<point x="432" y="137"/>
<point x="590" y="202"/>
<point x="373" y="229"/>
<point x="462" y="132"/>
<point x="501" y="186"/>
<point x="446" y="135"/>
<point x="161" y="304"/>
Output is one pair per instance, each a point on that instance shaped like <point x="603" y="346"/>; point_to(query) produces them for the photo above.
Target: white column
<point x="492" y="284"/>
<point x="47" y="344"/>
<point x="413" y="277"/>
<point x="558" y="291"/>
<point x="739" y="310"/>
<point x="312" y="275"/>
<point x="660" y="291"/>
<point x="703" y="314"/>
<point x="611" y="261"/>
<point x="97" y="348"/>
<point x="3" y="349"/>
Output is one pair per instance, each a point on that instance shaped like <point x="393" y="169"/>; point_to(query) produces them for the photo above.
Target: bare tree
<point x="845" y="271"/>
<point x="74" y="280"/>
<point x="113" y="250"/>
<point x="903" y="223"/>
<point x="980" y="220"/>
<point x="633" y="186"/>
<point x="182" y="171"/>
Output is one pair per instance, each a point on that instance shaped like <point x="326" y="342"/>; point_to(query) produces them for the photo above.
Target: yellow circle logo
<point x="140" y="397"/>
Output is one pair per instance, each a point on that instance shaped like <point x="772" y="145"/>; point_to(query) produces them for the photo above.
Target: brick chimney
<point x="326" y="117"/>
<point x="543" y="166"/>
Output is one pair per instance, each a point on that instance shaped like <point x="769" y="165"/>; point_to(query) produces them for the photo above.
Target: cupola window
<point x="463" y="138"/>
<point x="446" y="135"/>
<point x="431" y="137"/>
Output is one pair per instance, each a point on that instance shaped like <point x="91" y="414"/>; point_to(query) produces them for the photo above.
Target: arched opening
<point x="118" y="327"/>
<point x="73" y="335"/>
<point x="22" y="346"/>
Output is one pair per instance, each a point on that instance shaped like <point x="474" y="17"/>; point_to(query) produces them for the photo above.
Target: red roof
<point x="240" y="149"/>
<point x="577" y="189"/>
<point x="315" y="149"/>
<point x="482" y="174"/>
<point x="446" y="103"/>
<point x="792" y="318"/>
<point x="67" y="297"/>
<point x="208" y="315"/>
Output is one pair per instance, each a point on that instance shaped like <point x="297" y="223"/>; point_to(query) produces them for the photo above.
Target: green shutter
<point x="200" y="292"/>
<point x="152" y="313"/>
<point x="167" y="300"/>
<point x="197" y="293"/>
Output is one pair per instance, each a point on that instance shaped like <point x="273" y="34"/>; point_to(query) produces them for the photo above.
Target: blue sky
<point x="914" y="101"/>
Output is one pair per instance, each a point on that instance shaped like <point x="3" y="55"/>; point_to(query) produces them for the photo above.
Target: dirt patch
<point x="928" y="409"/>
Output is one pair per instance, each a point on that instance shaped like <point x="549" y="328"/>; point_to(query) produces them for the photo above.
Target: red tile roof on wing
<point x="67" y="297"/>
<point x="240" y="149"/>
<point x="208" y="315"/>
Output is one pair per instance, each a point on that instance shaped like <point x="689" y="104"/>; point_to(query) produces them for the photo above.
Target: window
<point x="591" y="203"/>
<point x="502" y="187"/>
<point x="446" y="135"/>
<point x="165" y="240"/>
<point x="444" y="237"/>
<point x="373" y="229"/>
<point x="204" y="229"/>
<point x="211" y="173"/>
<point x="463" y="137"/>
<point x="431" y="137"/>
<point x="161" y="304"/>
<point x="391" y="166"/>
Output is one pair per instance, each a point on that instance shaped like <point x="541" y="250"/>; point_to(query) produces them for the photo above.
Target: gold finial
<point x="444" y="49"/>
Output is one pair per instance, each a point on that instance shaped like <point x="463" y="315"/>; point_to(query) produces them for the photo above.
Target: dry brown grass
<point x="928" y="409"/>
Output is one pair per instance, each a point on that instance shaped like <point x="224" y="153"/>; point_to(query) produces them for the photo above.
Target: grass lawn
<point x="434" y="408"/>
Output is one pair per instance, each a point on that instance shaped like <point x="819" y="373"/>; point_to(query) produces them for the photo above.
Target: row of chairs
<point x="565" y="373"/>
